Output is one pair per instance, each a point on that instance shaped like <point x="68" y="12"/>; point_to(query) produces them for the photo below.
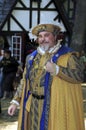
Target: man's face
<point x="6" y="55"/>
<point x="46" y="40"/>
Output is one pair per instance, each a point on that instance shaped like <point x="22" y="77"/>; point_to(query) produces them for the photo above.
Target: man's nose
<point x="42" y="38"/>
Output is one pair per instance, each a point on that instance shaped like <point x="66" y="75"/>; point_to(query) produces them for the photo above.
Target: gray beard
<point x="45" y="48"/>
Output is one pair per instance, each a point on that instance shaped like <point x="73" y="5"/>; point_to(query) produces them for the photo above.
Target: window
<point x="16" y="47"/>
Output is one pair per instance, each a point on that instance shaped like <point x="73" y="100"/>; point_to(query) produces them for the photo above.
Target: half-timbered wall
<point x="27" y="14"/>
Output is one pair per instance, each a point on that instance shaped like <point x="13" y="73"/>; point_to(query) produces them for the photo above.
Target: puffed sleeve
<point x="73" y="72"/>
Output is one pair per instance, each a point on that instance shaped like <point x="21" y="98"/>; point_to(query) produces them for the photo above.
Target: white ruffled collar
<point x="51" y="50"/>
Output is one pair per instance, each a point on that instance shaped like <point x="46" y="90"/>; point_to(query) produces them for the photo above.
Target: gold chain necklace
<point x="40" y="70"/>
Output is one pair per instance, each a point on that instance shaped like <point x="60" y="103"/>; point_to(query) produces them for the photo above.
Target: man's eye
<point x="39" y="36"/>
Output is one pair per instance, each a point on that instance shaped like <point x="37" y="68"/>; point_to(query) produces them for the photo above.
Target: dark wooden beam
<point x="5" y="33"/>
<point x="22" y="4"/>
<point x="18" y="23"/>
<point x="64" y="18"/>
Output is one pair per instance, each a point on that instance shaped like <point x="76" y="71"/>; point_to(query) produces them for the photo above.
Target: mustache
<point x="45" y="42"/>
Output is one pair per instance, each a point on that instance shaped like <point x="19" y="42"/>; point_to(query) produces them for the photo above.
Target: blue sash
<point x="61" y="51"/>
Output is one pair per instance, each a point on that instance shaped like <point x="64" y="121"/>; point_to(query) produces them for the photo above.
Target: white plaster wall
<point x="23" y="16"/>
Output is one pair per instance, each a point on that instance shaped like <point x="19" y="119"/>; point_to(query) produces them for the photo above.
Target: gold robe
<point x="66" y="104"/>
<point x="66" y="109"/>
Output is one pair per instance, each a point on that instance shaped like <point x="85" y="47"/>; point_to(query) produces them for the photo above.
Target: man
<point x="1" y="74"/>
<point x="10" y="66"/>
<point x="50" y="91"/>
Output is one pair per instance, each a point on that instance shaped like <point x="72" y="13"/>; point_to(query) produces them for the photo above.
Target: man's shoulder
<point x="31" y="55"/>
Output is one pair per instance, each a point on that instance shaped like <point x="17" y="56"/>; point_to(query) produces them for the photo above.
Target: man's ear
<point x="56" y="38"/>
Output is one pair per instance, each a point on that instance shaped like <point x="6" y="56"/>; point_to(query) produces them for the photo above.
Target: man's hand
<point x="52" y="68"/>
<point x="12" y="109"/>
